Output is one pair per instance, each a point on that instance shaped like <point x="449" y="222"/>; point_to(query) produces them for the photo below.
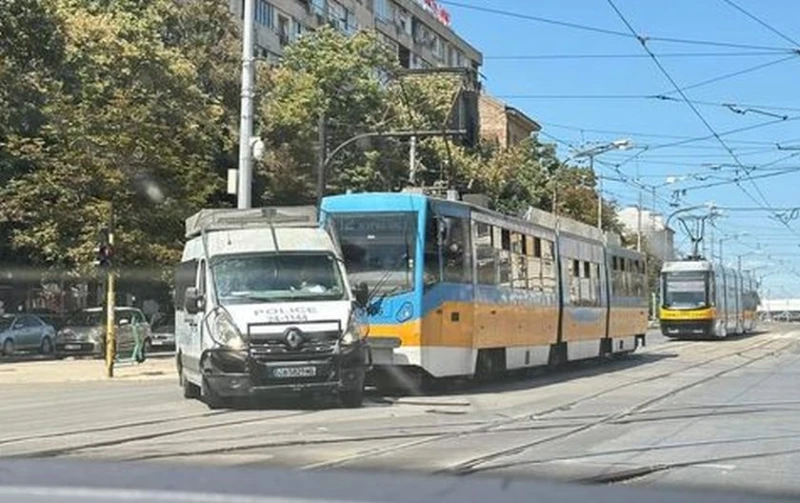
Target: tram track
<point x="492" y="425"/>
<point x="414" y="438"/>
<point x="472" y="465"/>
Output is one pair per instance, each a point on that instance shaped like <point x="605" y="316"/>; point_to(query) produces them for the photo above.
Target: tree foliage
<point x="134" y="117"/>
<point x="131" y="107"/>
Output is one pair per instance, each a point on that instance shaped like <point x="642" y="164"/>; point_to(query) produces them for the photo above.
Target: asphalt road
<point x="720" y="414"/>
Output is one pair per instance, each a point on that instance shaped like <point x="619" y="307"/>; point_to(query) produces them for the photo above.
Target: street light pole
<point x="599" y="194"/>
<point x="245" y="182"/>
<point x="621" y="144"/>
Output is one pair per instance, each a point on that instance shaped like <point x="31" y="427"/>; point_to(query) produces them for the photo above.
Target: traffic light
<point x="103" y="250"/>
<point x="102" y="255"/>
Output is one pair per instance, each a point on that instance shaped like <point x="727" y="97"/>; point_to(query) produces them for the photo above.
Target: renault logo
<point x="293" y="337"/>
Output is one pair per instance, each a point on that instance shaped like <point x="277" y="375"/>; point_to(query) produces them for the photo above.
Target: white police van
<point x="263" y="307"/>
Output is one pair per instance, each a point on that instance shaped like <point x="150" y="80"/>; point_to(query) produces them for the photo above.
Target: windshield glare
<point x="379" y="249"/>
<point x="86" y="319"/>
<point x="685" y="290"/>
<point x="272" y="277"/>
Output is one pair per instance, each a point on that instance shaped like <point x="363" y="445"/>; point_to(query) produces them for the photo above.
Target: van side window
<point x="201" y="280"/>
<point x="185" y="276"/>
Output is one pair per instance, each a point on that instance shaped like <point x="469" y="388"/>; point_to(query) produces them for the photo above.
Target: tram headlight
<point x="405" y="312"/>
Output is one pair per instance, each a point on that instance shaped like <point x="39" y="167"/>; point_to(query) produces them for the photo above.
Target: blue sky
<point x="579" y="101"/>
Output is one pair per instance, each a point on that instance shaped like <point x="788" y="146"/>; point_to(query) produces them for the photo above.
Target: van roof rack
<point x="274" y="216"/>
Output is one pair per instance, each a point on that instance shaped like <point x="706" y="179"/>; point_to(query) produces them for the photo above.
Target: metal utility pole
<point x="639" y="223"/>
<point x="245" y="185"/>
<point x="104" y="257"/>
<point x="621" y="144"/>
<point x="412" y="159"/>
<point x="599" y="194"/>
<point x="321" y="161"/>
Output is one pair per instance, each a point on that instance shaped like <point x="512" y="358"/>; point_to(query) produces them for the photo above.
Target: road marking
<point x="103" y="494"/>
<point x="716" y="466"/>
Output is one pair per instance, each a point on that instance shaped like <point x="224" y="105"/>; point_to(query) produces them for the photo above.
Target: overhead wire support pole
<point x="111" y="339"/>
<point x="245" y="179"/>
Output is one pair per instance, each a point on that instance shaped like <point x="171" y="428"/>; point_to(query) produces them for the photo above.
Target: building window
<point x="382" y="11"/>
<point x="297" y="29"/>
<point x="264" y="14"/>
<point x="318" y="7"/>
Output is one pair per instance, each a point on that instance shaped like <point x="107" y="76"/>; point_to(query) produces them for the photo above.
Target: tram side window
<point x="519" y="262"/>
<point x="534" y="265"/>
<point x="455" y="250"/>
<point x="485" y="253"/>
<point x="503" y="249"/>
<point x="575" y="282"/>
<point x="598" y="289"/>
<point x="433" y="267"/>
<point x="548" y="267"/>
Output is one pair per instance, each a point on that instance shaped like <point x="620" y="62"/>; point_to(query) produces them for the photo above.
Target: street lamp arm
<point x="391" y="134"/>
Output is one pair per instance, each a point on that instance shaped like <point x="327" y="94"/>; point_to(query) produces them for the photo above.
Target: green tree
<point x="136" y="120"/>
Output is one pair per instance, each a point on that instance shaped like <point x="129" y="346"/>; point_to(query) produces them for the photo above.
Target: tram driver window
<point x="433" y="268"/>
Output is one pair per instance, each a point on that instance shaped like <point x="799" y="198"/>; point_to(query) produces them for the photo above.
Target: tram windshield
<point x="685" y="290"/>
<point x="379" y="249"/>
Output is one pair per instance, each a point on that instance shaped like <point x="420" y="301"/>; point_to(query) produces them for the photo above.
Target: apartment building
<point x="502" y="123"/>
<point x="418" y="31"/>
<point x="661" y="239"/>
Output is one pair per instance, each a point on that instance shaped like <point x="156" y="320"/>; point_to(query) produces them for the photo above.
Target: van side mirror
<point x="361" y="293"/>
<point x="193" y="301"/>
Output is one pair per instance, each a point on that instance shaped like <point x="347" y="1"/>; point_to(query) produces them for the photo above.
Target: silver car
<point x="85" y="333"/>
<point x="25" y="332"/>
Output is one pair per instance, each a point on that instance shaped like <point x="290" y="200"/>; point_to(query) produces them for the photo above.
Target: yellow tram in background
<point x="702" y="299"/>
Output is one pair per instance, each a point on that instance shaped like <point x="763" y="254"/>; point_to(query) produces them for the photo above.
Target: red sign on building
<point x="438" y="11"/>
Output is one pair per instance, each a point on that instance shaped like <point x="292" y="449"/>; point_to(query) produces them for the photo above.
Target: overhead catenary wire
<point x="720" y="54"/>
<point x="607" y="31"/>
<point x="763" y="23"/>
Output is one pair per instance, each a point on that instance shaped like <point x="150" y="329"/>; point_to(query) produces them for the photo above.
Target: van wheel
<point x="352" y="398"/>
<point x="191" y="391"/>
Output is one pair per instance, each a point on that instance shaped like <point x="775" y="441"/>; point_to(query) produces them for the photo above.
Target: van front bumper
<point x="232" y="373"/>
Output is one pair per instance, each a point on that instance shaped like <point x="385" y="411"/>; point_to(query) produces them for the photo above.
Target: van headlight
<point x="356" y="330"/>
<point x="225" y="332"/>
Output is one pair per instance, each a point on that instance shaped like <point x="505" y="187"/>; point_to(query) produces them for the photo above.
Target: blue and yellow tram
<point x="460" y="290"/>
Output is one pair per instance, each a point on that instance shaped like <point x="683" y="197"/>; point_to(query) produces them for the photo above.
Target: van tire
<point x="191" y="391"/>
<point x="352" y="398"/>
<point x="212" y="400"/>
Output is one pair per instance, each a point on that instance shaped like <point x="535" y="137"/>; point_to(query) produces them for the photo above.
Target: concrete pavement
<point x="720" y="414"/>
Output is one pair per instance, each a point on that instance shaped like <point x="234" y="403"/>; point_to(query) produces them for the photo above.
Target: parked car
<point x="84" y="333"/>
<point x="164" y="333"/>
<point x="25" y="332"/>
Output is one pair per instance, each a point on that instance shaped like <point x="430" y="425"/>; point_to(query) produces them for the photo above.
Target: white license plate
<point x="72" y="346"/>
<point x="285" y="372"/>
<point x="157" y="342"/>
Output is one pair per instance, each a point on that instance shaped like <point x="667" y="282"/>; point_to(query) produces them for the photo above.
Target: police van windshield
<point x="276" y="277"/>
<point x="685" y="290"/>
